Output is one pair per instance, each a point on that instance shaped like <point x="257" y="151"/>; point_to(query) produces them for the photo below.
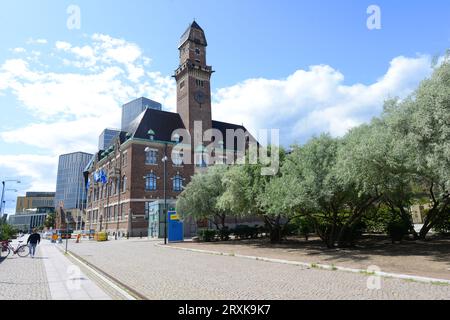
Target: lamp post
<point x="164" y="160"/>
<point x="3" y="194"/>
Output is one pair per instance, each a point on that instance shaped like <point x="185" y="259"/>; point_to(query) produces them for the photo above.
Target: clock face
<point x="200" y="97"/>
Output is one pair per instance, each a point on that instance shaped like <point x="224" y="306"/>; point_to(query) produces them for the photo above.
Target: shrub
<point x="246" y="232"/>
<point x="350" y="235"/>
<point x="7" y="232"/>
<point x="224" y="234"/>
<point x="301" y="226"/>
<point x="207" y="235"/>
<point x="443" y="226"/>
<point x="397" y="229"/>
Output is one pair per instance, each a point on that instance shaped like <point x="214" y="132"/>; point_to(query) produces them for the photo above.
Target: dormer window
<point x="151" y="134"/>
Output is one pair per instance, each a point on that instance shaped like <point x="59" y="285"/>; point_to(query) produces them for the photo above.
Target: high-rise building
<point x="70" y="184"/>
<point x="107" y="137"/>
<point x="134" y="108"/>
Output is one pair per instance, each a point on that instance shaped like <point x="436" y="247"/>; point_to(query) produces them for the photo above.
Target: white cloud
<point x="75" y="100"/>
<point x="36" y="172"/>
<point x="316" y="100"/>
<point x="32" y="41"/>
<point x="18" y="50"/>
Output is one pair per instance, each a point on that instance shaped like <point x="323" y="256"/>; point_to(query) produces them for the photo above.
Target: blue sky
<point x="304" y="67"/>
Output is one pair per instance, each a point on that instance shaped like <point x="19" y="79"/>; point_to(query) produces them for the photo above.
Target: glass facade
<point x="106" y="138"/>
<point x="154" y="214"/>
<point x="134" y="108"/>
<point x="70" y="187"/>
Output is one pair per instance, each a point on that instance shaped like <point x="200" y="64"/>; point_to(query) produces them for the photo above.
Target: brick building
<point x="126" y="191"/>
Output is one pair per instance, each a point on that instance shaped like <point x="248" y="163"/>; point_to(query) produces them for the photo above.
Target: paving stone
<point x="164" y="273"/>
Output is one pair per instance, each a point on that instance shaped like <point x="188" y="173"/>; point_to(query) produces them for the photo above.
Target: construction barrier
<point x="101" y="236"/>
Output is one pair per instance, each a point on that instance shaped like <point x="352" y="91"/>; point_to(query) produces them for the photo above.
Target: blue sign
<point x="175" y="228"/>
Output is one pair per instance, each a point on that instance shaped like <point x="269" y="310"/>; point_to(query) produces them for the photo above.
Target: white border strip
<point x="318" y="266"/>
<point x="103" y="278"/>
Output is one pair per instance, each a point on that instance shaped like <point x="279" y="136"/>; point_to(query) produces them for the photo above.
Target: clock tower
<point x="193" y="78"/>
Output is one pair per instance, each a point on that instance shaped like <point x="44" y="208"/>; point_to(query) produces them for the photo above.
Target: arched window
<point x="178" y="183"/>
<point x="150" y="182"/>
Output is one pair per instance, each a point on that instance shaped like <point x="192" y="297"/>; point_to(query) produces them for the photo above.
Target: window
<point x="151" y="157"/>
<point x="197" y="51"/>
<point x="177" y="183"/>
<point x="150" y="182"/>
<point x="199" y="83"/>
<point x="177" y="158"/>
<point x="122" y="210"/>
<point x="124" y="184"/>
<point x="125" y="159"/>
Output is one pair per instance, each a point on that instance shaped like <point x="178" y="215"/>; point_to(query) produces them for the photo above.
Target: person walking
<point x="33" y="241"/>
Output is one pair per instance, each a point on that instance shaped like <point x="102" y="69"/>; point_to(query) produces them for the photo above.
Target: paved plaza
<point x="164" y="273"/>
<point x="158" y="272"/>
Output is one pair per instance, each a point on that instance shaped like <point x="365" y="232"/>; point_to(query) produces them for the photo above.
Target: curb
<point x="318" y="266"/>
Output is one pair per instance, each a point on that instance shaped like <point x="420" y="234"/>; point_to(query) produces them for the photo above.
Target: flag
<point x="103" y="177"/>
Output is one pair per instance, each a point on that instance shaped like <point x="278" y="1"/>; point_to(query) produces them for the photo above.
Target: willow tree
<point x="246" y="188"/>
<point x="422" y="124"/>
<point x="200" y="197"/>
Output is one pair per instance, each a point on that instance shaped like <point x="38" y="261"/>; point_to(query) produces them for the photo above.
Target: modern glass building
<point x="35" y="200"/>
<point x="134" y="108"/>
<point x="70" y="184"/>
<point x="106" y="138"/>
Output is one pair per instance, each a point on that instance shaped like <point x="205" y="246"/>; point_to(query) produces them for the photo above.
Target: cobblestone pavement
<point x="23" y="278"/>
<point x="164" y="273"/>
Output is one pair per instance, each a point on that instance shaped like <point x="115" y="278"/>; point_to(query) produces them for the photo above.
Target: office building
<point x="107" y="137"/>
<point x="134" y="108"/>
<point x="70" y="183"/>
<point x="42" y="201"/>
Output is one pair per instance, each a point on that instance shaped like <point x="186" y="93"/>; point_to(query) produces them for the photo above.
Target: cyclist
<point x="33" y="241"/>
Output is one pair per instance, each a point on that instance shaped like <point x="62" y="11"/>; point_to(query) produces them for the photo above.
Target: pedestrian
<point x="33" y="241"/>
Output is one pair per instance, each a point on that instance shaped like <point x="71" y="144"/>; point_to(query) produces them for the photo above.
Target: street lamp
<point x="3" y="194"/>
<point x="164" y="160"/>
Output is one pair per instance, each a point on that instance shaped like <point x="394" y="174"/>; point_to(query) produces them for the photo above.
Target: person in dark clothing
<point x="33" y="241"/>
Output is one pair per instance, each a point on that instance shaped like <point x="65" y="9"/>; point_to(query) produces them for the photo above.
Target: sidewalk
<point x="66" y="281"/>
<point x="48" y="276"/>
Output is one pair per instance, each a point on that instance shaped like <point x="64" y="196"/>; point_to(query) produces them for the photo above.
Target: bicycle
<point x="22" y="250"/>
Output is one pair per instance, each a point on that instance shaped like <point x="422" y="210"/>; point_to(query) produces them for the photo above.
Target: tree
<point x="6" y="231"/>
<point x="323" y="185"/>
<point x="422" y="124"/>
<point x="373" y="162"/>
<point x="50" y="221"/>
<point x="200" y="197"/>
<point x="246" y="194"/>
